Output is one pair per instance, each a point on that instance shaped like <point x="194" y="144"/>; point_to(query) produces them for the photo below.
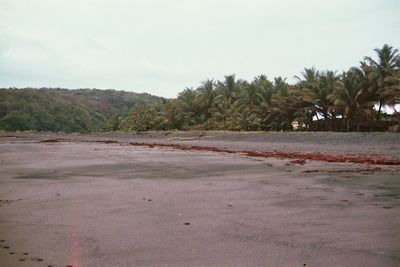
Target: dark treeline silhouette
<point x="319" y="100"/>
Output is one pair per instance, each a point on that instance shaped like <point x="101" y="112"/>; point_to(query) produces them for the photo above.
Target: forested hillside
<point x="65" y="110"/>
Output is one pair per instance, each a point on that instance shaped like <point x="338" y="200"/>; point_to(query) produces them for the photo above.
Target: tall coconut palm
<point x="391" y="92"/>
<point x="173" y="115"/>
<point x="329" y="81"/>
<point x="140" y="119"/>
<point x="313" y="101"/>
<point x="306" y="94"/>
<point x="249" y="96"/>
<point x="388" y="59"/>
<point x="309" y="79"/>
<point x="265" y="90"/>
<point x="283" y="101"/>
<point x="226" y="95"/>
<point x="264" y="107"/>
<point x="220" y="113"/>
<point x="351" y="99"/>
<point x="205" y="98"/>
<point x="383" y="74"/>
<point x="189" y="109"/>
<point x="248" y="106"/>
<point x="228" y="89"/>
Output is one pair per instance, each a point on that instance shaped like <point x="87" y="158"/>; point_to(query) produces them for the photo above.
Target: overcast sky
<point x="163" y="46"/>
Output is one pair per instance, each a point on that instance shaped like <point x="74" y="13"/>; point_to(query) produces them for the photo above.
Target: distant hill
<point x="66" y="110"/>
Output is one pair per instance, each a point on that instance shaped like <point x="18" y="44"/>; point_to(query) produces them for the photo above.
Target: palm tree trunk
<point x="378" y="116"/>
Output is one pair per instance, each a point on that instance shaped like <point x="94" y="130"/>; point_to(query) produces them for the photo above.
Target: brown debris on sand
<point x="298" y="157"/>
<point x="50" y="141"/>
<point x="297" y="161"/>
<point x="358" y="170"/>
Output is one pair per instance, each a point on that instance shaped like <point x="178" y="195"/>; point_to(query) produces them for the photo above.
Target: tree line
<point x="319" y="100"/>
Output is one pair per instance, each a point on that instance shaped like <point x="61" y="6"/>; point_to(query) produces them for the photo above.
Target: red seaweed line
<point x="296" y="156"/>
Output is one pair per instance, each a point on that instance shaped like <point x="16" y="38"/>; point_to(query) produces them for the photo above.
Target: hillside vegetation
<point x="65" y="110"/>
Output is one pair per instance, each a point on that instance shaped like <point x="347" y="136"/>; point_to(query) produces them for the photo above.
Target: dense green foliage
<point x="319" y="100"/>
<point x="66" y="110"/>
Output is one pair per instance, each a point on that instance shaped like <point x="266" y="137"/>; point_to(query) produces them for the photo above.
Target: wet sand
<point x="80" y="202"/>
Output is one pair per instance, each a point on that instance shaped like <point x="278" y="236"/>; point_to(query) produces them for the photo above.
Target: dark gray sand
<point x="94" y="204"/>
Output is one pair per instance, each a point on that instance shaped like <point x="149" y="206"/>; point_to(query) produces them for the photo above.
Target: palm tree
<point x="220" y="114"/>
<point x="389" y="60"/>
<point x="248" y="103"/>
<point x="391" y="92"/>
<point x="351" y="99"/>
<point x="226" y="94"/>
<point x="312" y="100"/>
<point x="283" y="102"/>
<point x="187" y="97"/>
<point x="205" y="98"/>
<point x="306" y="93"/>
<point x="264" y="107"/>
<point x="173" y="115"/>
<point x="228" y="89"/>
<point x="141" y="119"/>
<point x="328" y="84"/>
<point x="249" y="96"/>
<point x="382" y="75"/>
<point x="310" y="78"/>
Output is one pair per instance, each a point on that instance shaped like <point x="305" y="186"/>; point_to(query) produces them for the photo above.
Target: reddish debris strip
<point x="50" y="141"/>
<point x="297" y="161"/>
<point x="298" y="157"/>
<point x="376" y="169"/>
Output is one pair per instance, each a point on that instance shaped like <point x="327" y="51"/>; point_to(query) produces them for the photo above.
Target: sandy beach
<point x="200" y="199"/>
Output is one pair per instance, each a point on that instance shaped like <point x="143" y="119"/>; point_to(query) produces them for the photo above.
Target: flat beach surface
<point x="164" y="199"/>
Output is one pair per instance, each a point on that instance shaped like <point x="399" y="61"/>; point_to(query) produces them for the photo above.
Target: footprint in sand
<point x="23" y="253"/>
